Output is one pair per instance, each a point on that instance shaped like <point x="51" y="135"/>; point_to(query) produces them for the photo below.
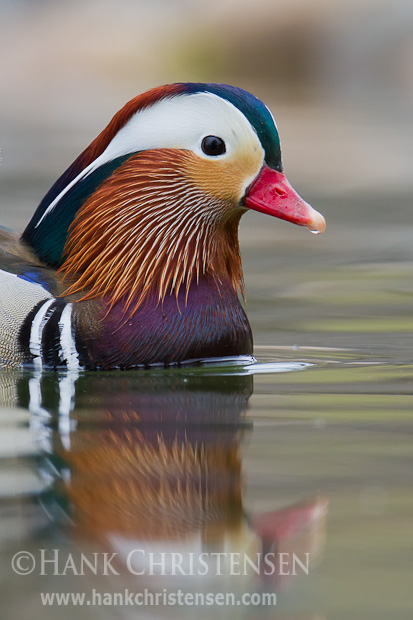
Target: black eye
<point x="212" y="145"/>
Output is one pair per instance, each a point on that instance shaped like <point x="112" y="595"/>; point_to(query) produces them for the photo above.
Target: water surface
<point x="306" y="452"/>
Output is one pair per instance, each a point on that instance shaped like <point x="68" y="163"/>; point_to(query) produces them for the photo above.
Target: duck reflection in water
<point x="148" y="466"/>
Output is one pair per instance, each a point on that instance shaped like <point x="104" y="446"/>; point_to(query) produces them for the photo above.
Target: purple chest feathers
<point x="208" y="322"/>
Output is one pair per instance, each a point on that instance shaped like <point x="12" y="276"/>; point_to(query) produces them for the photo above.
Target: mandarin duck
<point x="132" y="257"/>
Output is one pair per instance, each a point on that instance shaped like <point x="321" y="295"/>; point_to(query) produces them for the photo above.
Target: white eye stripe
<point x="181" y="123"/>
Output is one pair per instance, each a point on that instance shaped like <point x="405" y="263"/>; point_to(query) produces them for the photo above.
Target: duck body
<point x="205" y="322"/>
<point x="132" y="257"/>
<point x="207" y="325"/>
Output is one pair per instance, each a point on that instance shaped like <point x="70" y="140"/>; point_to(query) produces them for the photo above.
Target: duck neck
<point x="147" y="232"/>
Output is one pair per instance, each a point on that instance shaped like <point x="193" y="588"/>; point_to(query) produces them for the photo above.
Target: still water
<point x="303" y="457"/>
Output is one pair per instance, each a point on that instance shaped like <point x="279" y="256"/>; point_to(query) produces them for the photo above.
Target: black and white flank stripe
<point x="47" y="335"/>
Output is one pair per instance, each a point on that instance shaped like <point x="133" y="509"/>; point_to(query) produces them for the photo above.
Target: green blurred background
<point x="336" y="75"/>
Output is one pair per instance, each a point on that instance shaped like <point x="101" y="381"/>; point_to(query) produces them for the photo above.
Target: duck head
<point x="154" y="203"/>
